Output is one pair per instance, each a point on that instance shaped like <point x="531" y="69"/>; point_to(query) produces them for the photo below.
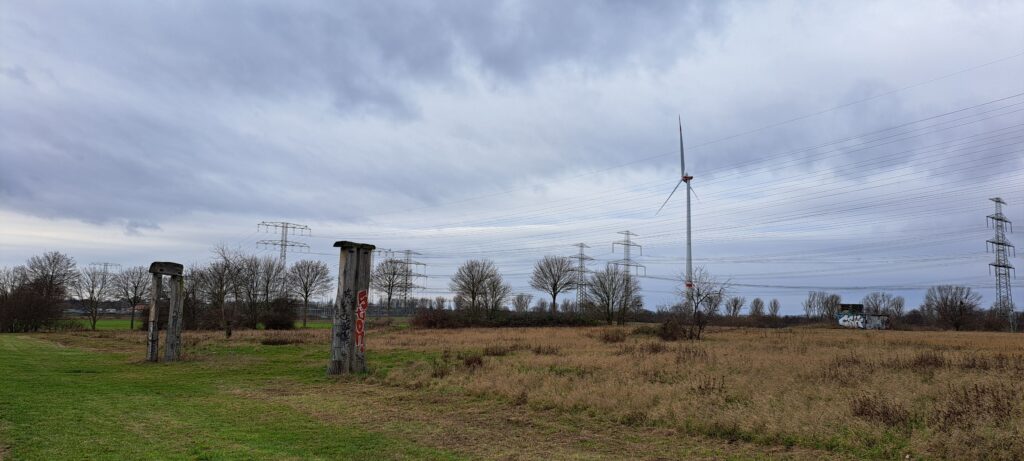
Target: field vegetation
<point x="524" y="393"/>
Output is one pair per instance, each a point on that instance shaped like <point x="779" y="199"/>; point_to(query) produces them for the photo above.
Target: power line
<point x="283" y="242"/>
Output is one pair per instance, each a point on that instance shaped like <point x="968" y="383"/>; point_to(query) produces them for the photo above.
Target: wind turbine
<point x="685" y="178"/>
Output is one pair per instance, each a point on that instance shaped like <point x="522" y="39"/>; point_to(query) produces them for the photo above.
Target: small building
<point x="862" y="321"/>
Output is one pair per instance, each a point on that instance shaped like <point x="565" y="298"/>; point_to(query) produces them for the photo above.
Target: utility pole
<point x="581" y="275"/>
<point x="630" y="266"/>
<point x="1001" y="266"/>
<point x="283" y="242"/>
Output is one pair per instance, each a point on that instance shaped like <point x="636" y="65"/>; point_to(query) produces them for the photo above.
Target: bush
<point x="672" y="330"/>
<point x="613" y="335"/>
<point x="880" y="410"/>
<point x="281" y="315"/>
<point x="646" y="330"/>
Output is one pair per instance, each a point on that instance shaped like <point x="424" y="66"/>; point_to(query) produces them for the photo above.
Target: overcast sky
<point x="850" y="146"/>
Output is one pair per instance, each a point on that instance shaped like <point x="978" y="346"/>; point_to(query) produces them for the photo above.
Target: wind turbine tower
<point x="685" y="178"/>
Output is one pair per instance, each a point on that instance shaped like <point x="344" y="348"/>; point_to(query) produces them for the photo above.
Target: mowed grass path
<point x="59" y="402"/>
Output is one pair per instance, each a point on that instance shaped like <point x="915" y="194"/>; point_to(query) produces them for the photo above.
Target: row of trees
<point x="235" y="289"/>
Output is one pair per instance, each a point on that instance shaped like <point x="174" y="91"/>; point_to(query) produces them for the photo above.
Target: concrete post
<point x="362" y="288"/>
<point x="153" y="338"/>
<point x="344" y="328"/>
<point x="159" y="269"/>
<point x="172" y="350"/>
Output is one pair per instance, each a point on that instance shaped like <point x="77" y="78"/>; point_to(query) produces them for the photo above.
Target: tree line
<point x="235" y="290"/>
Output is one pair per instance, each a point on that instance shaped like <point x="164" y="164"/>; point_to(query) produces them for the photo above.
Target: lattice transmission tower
<point x="1001" y="266"/>
<point x="410" y="275"/>
<point x="581" y="275"/>
<point x="626" y="262"/>
<point x="283" y="242"/>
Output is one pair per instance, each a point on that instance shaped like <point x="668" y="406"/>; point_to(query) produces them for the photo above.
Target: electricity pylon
<point x="1001" y="266"/>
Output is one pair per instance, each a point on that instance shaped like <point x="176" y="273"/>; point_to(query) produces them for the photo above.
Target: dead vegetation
<point x="882" y="394"/>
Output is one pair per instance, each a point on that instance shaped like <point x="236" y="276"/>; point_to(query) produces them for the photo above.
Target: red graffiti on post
<point x="363" y="302"/>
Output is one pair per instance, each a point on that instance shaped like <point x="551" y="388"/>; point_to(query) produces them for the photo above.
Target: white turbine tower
<point x="685" y="178"/>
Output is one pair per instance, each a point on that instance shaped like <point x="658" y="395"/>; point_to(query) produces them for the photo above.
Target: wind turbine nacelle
<point x="689" y="284"/>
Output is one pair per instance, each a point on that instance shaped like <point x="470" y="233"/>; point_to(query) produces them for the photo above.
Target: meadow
<point x="529" y="393"/>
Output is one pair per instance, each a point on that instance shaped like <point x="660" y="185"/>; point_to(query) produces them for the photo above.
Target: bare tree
<point x="273" y="278"/>
<point x="541" y="306"/>
<point x="830" y="306"/>
<point x="701" y="302"/>
<point x="521" y="302"/>
<point x="471" y="281"/>
<point x="389" y="277"/>
<point x="773" y="308"/>
<point x="132" y="285"/>
<point x="496" y="294"/>
<point x="93" y="288"/>
<point x="307" y="279"/>
<point x="883" y="303"/>
<point x="440" y="302"/>
<point x="822" y="305"/>
<point x="553" y="275"/>
<point x="606" y="289"/>
<point x="735" y="305"/>
<point x="953" y="305"/>
<point x="219" y="285"/>
<point x="757" y="308"/>
<point x="248" y="287"/>
<point x="53" y="274"/>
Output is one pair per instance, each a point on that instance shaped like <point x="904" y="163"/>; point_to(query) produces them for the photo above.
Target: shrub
<point x="646" y="330"/>
<point x="541" y="349"/>
<point x="965" y="406"/>
<point x="281" y="315"/>
<point x="473" y="361"/>
<point x="672" y="330"/>
<point x="613" y="335"/>
<point x="441" y="367"/>
<point x="875" y="408"/>
<point x="498" y="350"/>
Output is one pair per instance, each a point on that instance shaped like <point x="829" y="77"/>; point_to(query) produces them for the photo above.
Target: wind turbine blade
<point x="682" y="155"/>
<point x="693" y="192"/>
<point x="669" y="197"/>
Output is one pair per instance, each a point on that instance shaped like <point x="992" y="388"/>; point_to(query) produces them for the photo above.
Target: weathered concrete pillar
<point x="172" y="351"/>
<point x="353" y="259"/>
<point x="362" y="303"/>
<point x="153" y="336"/>
<point x="159" y="269"/>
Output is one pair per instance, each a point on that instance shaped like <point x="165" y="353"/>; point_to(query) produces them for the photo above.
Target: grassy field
<point x="569" y="393"/>
<point x="125" y="324"/>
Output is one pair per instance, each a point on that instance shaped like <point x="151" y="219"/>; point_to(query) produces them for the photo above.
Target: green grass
<point x="63" y="403"/>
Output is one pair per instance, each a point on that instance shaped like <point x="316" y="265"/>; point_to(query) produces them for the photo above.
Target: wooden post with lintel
<point x="348" y="345"/>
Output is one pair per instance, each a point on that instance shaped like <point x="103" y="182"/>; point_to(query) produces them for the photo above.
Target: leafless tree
<point x="953" y="305"/>
<point x="883" y="303"/>
<point x="757" y="308"/>
<point x="701" y="302"/>
<point x="273" y="278"/>
<point x="606" y="289"/>
<point x="219" y="285"/>
<point x="521" y="302"/>
<point x="132" y="285"/>
<point x="471" y="281"/>
<point x="248" y="287"/>
<point x="830" y="305"/>
<point x="389" y="277"/>
<point x="307" y="279"/>
<point x="553" y="275"/>
<point x="541" y="306"/>
<point x="734" y="305"/>
<point x="53" y="274"/>
<point x="773" y="308"/>
<point x="822" y="305"/>
<point x="496" y="294"/>
<point x="440" y="302"/>
<point x="93" y="289"/>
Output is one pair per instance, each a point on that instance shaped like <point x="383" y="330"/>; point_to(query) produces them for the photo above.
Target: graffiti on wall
<point x="863" y="321"/>
<point x="362" y="303"/>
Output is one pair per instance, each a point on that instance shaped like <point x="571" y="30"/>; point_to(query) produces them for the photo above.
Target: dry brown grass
<point x="882" y="394"/>
<point x="879" y="394"/>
